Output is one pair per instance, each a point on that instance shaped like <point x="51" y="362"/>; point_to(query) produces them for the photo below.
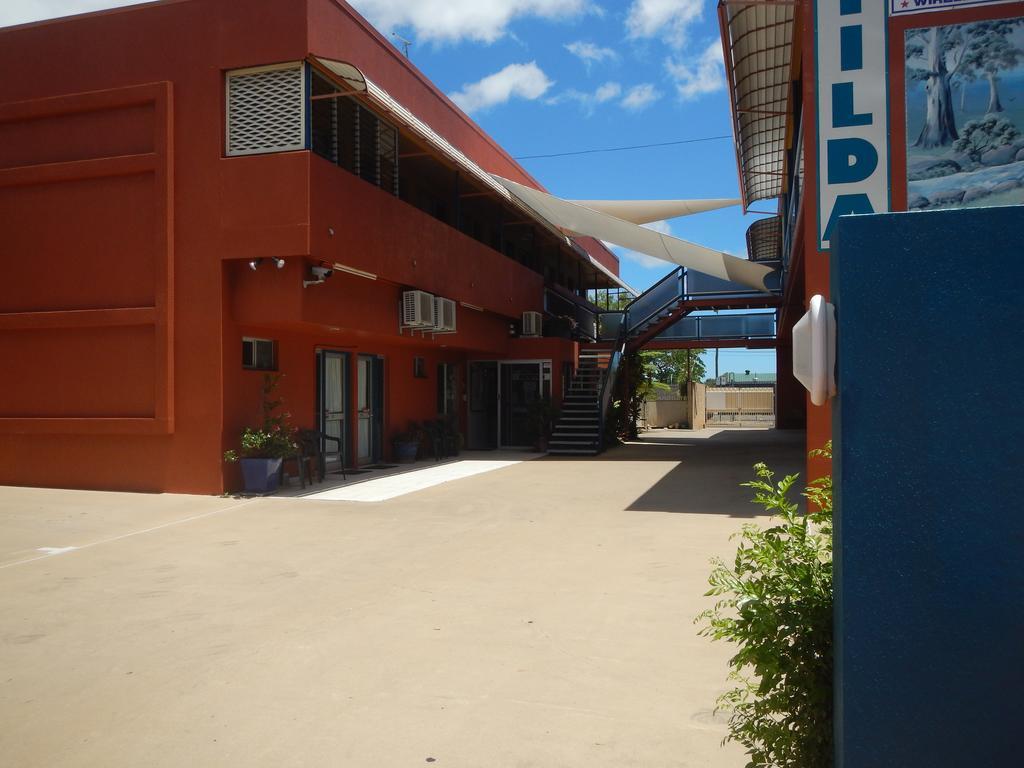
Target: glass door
<point x="369" y="408"/>
<point x="332" y="391"/>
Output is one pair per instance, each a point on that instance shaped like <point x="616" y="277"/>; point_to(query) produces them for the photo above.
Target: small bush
<point x="988" y="133"/>
<point x="775" y="603"/>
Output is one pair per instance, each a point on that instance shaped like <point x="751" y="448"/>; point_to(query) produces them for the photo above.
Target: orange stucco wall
<point x="123" y="287"/>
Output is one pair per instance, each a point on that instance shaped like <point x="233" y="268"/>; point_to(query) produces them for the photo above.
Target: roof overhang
<point x="758" y="41"/>
<point x="613" y="277"/>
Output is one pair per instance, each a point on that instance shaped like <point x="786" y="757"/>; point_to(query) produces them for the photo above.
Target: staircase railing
<point x="608" y="385"/>
<point x="663" y="294"/>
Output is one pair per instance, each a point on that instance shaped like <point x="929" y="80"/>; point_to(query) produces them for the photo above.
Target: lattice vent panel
<point x="266" y="110"/>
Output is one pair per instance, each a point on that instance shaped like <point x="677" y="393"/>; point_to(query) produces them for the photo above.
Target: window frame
<point x="253" y="363"/>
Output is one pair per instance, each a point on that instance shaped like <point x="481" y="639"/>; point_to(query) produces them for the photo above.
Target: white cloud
<point x="705" y="75"/>
<point x="640" y="97"/>
<point x="524" y="81"/>
<point x="588" y="100"/>
<point x="589" y="53"/>
<point x="644" y="260"/>
<point x="667" y="19"/>
<point x="607" y="92"/>
<point x="449" y="21"/>
<point x="23" y="11"/>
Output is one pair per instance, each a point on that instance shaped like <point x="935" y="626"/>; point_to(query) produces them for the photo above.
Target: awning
<point x="764" y="239"/>
<point x="580" y="220"/>
<point x="758" y="42"/>
<point x="646" y="211"/>
<point x="348" y="74"/>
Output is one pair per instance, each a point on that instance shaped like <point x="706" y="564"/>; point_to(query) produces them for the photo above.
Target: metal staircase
<point x="657" y="314"/>
<point x="578" y="431"/>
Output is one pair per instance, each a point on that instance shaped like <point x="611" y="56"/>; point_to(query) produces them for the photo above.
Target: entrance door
<point x="370" y="408"/>
<point x="483" y="406"/>
<point x="520" y="390"/>
<point x="332" y="391"/>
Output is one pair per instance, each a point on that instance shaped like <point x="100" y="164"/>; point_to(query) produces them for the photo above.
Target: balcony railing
<point x="759" y="325"/>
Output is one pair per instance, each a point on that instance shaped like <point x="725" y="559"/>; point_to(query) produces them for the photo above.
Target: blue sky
<point x="552" y="76"/>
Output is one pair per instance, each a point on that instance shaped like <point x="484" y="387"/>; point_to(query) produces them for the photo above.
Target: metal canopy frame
<point x="758" y="41"/>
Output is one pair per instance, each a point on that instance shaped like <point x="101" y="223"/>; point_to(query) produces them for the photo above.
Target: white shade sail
<point x="646" y="211"/>
<point x="581" y="220"/>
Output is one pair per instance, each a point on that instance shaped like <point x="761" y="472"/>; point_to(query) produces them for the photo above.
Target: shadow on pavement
<point x="710" y="466"/>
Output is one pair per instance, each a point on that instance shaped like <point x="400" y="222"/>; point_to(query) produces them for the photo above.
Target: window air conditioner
<point x="444" y="315"/>
<point x="418" y="310"/>
<point x="532" y="324"/>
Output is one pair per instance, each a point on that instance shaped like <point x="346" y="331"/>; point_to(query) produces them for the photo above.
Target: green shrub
<point x="275" y="438"/>
<point x="775" y="604"/>
<point x="980" y="136"/>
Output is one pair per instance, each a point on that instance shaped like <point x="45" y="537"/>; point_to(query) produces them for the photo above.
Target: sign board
<point x="852" y="112"/>
<point x="904" y="7"/>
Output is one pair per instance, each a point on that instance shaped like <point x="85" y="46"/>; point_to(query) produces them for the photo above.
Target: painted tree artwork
<point x="965" y="114"/>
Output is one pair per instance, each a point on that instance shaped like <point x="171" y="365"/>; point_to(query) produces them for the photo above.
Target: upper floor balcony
<point x="325" y="164"/>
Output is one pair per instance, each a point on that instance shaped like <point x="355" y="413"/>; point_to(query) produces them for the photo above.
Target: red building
<point x="194" y="192"/>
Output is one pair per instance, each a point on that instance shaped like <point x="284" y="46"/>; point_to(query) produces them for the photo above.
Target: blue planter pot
<point x="261" y="475"/>
<point x="406" y="451"/>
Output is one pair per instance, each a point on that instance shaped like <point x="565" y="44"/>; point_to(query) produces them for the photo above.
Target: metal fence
<point x="740" y="406"/>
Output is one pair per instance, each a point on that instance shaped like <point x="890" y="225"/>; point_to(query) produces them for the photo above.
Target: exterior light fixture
<point x="253" y="263"/>
<point x="279" y="263"/>
<point x="814" y="350"/>
<point x="354" y="271"/>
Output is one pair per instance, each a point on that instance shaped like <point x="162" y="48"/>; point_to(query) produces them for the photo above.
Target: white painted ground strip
<point x="389" y="487"/>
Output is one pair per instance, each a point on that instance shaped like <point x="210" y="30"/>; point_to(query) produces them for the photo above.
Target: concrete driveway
<point x="537" y="615"/>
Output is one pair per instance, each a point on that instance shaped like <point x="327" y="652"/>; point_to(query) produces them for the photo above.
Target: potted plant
<point x="407" y="443"/>
<point x="543" y="415"/>
<point x="263" y="448"/>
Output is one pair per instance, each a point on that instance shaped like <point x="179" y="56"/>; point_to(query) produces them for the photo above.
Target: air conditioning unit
<point x="418" y="310"/>
<point x="532" y="324"/>
<point x="444" y="315"/>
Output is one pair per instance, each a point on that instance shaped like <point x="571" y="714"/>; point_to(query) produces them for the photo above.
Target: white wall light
<point x="814" y="350"/>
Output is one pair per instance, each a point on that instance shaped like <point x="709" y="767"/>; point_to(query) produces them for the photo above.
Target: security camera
<point x="320" y="274"/>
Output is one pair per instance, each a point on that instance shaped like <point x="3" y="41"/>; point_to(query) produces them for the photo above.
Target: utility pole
<point x="716" y="365"/>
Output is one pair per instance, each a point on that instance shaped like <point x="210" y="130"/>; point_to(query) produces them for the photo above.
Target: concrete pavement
<point x="537" y="615"/>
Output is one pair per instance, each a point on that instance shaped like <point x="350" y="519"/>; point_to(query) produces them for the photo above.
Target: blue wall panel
<point x="929" y="468"/>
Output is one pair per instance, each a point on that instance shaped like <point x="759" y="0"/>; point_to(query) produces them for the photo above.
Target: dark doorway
<point x="483" y="406"/>
<point x="520" y="391"/>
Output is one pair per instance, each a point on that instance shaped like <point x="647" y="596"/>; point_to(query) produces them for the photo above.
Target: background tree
<point x="937" y="55"/>
<point x="934" y="55"/>
<point x="675" y="368"/>
<point x="990" y="52"/>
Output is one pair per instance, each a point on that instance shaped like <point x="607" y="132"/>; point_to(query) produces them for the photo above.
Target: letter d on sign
<point x="850" y="160"/>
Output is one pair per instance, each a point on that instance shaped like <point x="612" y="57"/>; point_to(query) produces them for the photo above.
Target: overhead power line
<point x="623" y="149"/>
